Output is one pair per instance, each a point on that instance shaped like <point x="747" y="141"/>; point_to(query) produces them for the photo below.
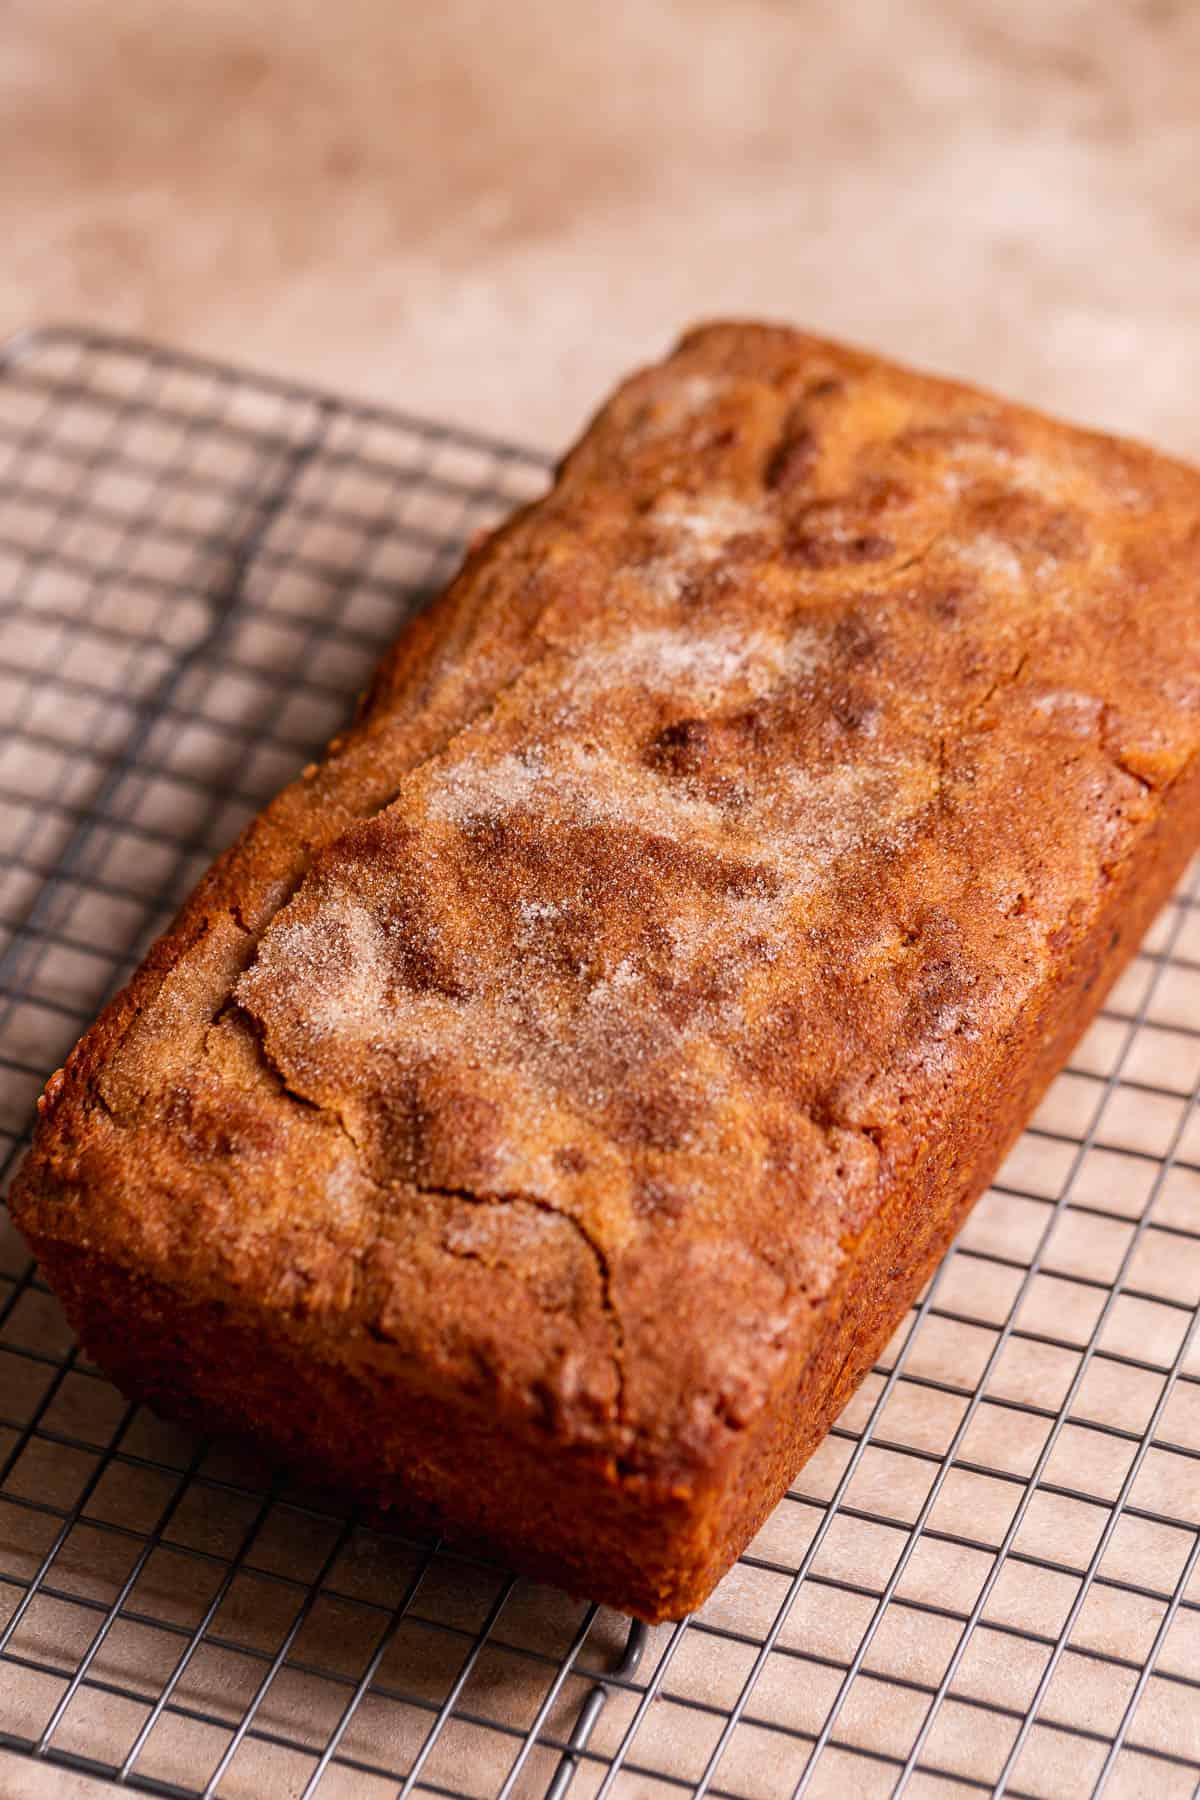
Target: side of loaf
<point x="541" y="1117"/>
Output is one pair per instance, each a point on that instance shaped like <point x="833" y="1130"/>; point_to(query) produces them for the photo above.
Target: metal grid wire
<point x="988" y="1578"/>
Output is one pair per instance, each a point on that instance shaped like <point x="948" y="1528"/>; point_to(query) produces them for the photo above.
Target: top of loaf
<point x="686" y="870"/>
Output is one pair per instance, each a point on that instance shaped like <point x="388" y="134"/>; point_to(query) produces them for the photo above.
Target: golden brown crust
<point x="592" y="1053"/>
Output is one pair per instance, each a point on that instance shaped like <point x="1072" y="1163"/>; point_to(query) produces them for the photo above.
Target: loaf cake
<point x="543" y="1114"/>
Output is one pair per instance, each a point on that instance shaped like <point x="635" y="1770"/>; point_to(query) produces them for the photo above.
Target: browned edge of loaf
<point x="913" y="1229"/>
<point x="615" y="1532"/>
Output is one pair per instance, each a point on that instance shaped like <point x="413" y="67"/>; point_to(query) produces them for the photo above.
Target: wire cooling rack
<point x="988" y="1578"/>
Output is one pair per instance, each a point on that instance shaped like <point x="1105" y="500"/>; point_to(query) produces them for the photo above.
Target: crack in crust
<point x="594" y="1248"/>
<point x="232" y="1006"/>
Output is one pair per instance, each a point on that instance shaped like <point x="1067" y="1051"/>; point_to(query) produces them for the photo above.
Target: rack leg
<point x="593" y="1706"/>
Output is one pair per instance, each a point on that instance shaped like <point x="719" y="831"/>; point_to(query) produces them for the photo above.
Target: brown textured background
<point x="488" y="211"/>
